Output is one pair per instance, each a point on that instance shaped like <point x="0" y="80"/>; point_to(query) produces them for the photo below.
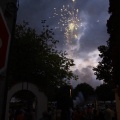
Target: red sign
<point x="4" y="41"/>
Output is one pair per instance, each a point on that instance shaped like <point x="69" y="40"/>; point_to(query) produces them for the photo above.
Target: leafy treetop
<point x="34" y="58"/>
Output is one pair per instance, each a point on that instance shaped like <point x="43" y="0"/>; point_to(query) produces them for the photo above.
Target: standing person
<point x="29" y="114"/>
<point x="89" y="112"/>
<point x="45" y="116"/>
<point x="95" y="115"/>
<point x="76" y="114"/>
<point x="58" y="114"/>
<point x="50" y="113"/>
<point x="11" y="115"/>
<point x="20" y="116"/>
<point x="71" y="113"/>
<point x="108" y="113"/>
<point x="33" y="114"/>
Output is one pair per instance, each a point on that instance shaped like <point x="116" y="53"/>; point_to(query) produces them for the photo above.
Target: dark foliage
<point x="108" y="69"/>
<point x="63" y="98"/>
<point x="85" y="88"/>
<point x="104" y="93"/>
<point x="34" y="58"/>
<point x="104" y="69"/>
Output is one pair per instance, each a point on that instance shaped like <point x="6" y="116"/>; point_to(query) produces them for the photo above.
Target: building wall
<point x="42" y="101"/>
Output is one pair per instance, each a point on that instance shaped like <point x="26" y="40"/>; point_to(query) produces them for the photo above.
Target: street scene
<point x="59" y="60"/>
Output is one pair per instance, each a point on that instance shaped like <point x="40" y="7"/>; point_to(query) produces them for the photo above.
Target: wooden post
<point x="117" y="99"/>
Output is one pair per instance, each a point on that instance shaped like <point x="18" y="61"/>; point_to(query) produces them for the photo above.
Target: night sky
<point x="91" y="32"/>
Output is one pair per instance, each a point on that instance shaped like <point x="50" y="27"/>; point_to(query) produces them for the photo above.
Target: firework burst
<point x="68" y="21"/>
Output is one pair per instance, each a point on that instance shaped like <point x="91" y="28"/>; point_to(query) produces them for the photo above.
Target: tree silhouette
<point x="104" y="69"/>
<point x="104" y="93"/>
<point x="108" y="69"/>
<point x="85" y="88"/>
<point x="113" y="26"/>
<point x="63" y="97"/>
<point x="35" y="58"/>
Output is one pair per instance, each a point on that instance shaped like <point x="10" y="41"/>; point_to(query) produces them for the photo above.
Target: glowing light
<point x="70" y="92"/>
<point x="68" y="23"/>
<point x="75" y="36"/>
<point x="71" y="26"/>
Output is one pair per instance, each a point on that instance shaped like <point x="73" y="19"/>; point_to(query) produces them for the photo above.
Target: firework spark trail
<point x="69" y="24"/>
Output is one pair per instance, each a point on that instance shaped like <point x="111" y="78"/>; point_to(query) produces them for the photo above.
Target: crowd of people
<point x="90" y="113"/>
<point x="21" y="114"/>
<point x="87" y="112"/>
<point x="81" y="113"/>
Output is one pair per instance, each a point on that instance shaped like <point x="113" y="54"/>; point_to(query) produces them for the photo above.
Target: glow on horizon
<point x="91" y="60"/>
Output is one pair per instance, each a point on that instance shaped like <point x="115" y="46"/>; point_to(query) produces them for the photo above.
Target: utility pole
<point x="8" y="14"/>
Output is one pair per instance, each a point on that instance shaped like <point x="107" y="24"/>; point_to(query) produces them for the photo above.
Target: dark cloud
<point x="90" y="12"/>
<point x="94" y="14"/>
<point x="35" y="11"/>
